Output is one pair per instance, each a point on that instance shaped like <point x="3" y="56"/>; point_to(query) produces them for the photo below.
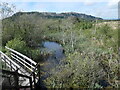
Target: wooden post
<point x="5" y="61"/>
<point x="2" y="66"/>
<point x="39" y="71"/>
<point x="30" y="83"/>
<point x="34" y="78"/>
<point x="16" y="80"/>
<point x="11" y="65"/>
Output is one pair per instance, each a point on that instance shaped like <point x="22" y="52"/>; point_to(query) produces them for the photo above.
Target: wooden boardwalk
<point x="22" y="64"/>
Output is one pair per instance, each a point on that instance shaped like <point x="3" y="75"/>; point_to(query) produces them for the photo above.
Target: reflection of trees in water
<point x="52" y="59"/>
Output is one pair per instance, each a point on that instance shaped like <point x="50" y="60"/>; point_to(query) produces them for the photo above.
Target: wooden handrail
<point x="9" y="59"/>
<point x="10" y="63"/>
<point x="23" y="62"/>
<point x="21" y="55"/>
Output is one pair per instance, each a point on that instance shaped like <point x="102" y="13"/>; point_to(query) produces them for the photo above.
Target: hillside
<point x="112" y="24"/>
<point x="58" y="15"/>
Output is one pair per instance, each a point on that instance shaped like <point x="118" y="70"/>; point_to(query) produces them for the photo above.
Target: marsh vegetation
<point x="90" y="48"/>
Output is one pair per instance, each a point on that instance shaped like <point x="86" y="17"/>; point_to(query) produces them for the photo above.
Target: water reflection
<point x="56" y="49"/>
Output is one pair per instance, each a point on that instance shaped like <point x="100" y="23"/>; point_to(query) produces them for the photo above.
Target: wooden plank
<point x="20" y="70"/>
<point x="30" y="60"/>
<point x="9" y="62"/>
<point x="21" y="55"/>
<point x="9" y="65"/>
<point x="13" y="73"/>
<point x="14" y="65"/>
<point x="22" y="63"/>
<point x="10" y="59"/>
<point x="15" y="87"/>
<point x="3" y="58"/>
<point x="23" y="60"/>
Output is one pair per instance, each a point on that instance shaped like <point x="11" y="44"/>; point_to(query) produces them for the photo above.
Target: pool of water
<point x="52" y="60"/>
<point x="56" y="49"/>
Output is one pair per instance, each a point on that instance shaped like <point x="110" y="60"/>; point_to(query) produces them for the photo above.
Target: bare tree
<point x="6" y="9"/>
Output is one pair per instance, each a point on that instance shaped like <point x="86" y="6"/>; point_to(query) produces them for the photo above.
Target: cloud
<point x="89" y="3"/>
<point x="110" y="3"/>
<point x="100" y="8"/>
<point x="60" y="1"/>
<point x="113" y="2"/>
<point x="107" y="12"/>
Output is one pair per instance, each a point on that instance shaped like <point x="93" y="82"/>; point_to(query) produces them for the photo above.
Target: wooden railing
<point x="21" y="63"/>
<point x="16" y="76"/>
<point x="25" y="62"/>
<point x="8" y="63"/>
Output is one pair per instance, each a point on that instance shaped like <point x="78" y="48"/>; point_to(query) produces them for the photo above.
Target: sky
<point x="106" y="9"/>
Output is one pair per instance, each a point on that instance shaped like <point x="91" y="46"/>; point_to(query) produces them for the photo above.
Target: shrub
<point x="35" y="55"/>
<point x="18" y="45"/>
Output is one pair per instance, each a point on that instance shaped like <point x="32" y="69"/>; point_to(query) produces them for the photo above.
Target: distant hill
<point x="59" y="15"/>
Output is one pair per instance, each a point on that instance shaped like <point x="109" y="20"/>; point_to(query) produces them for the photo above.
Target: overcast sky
<point x="107" y="9"/>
